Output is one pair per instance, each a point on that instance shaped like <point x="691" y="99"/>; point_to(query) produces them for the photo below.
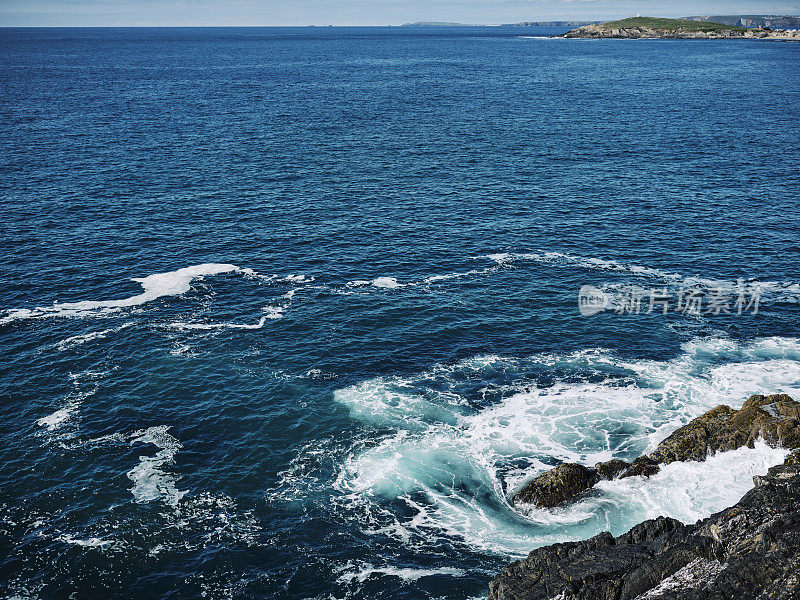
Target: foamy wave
<point x="785" y="291"/>
<point x="454" y="462"/>
<point x="689" y="491"/>
<point x="158" y="285"/>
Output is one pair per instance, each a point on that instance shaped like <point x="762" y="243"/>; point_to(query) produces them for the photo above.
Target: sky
<point x="70" y="13"/>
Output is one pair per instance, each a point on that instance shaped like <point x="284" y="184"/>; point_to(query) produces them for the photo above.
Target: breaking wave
<point x="452" y="454"/>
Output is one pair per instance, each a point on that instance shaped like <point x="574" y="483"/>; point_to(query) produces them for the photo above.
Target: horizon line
<point x="420" y="24"/>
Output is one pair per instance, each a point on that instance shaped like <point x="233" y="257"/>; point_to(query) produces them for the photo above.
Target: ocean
<point x="292" y="313"/>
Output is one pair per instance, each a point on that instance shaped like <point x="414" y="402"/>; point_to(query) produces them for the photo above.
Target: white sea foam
<point x="84" y="385"/>
<point x="92" y="542"/>
<point x="209" y="326"/>
<point x="62" y="415"/>
<point x="454" y="465"/>
<point x="437" y="278"/>
<point x="378" y="282"/>
<point x="150" y="480"/>
<point x="583" y="262"/>
<point x="784" y="290"/>
<point x="158" y="285"/>
<point x="298" y="279"/>
<point x="181" y="349"/>
<point x="362" y="572"/>
<point x="393" y="283"/>
<point x="274" y="312"/>
<point x="78" y="340"/>
<point x="689" y="491"/>
<point x="386" y="282"/>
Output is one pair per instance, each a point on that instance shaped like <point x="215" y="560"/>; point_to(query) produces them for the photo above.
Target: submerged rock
<point x="774" y="419"/>
<point x="748" y="551"/>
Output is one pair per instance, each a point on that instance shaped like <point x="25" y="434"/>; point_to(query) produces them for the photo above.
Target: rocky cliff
<point x="748" y="551"/>
<point x="772" y="21"/>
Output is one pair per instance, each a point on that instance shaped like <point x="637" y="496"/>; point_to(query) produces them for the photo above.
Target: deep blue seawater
<point x="356" y="332"/>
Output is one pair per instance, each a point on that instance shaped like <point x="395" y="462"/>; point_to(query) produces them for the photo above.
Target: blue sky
<point x="354" y="12"/>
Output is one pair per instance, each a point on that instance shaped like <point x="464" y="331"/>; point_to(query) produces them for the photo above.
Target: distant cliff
<point x="771" y="21"/>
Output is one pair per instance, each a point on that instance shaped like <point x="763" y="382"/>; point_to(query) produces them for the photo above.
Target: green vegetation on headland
<point x="669" y="24"/>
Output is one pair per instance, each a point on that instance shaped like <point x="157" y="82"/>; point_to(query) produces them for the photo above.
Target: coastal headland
<point x="656" y="28"/>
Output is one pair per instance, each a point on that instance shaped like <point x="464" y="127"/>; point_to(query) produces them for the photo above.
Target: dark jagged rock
<point x="644" y="466"/>
<point x="557" y="485"/>
<point x="611" y="468"/>
<point x="774" y="419"/>
<point x="691" y="442"/>
<point x="748" y="551"/>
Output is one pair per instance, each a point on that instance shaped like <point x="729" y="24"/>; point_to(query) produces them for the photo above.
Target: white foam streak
<point x="379" y="282"/>
<point x="210" y="326"/>
<point x="84" y="385"/>
<point x="61" y="416"/>
<point x="786" y="291"/>
<point x="158" y="285"/>
<point x="583" y="262"/>
<point x="298" y="279"/>
<point x="78" y="340"/>
<point x="365" y="571"/>
<point x="93" y="542"/>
